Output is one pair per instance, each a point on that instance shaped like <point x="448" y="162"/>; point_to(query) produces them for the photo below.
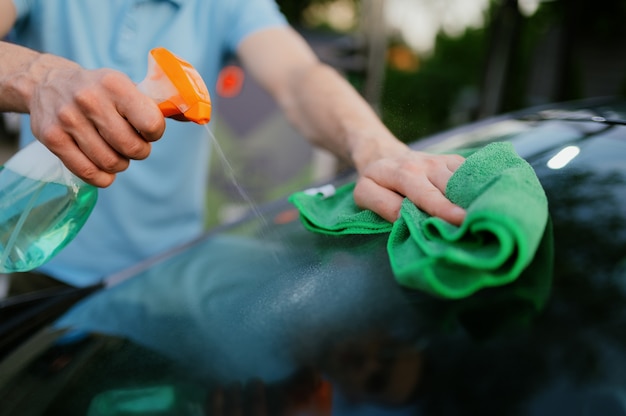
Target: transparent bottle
<point x="43" y="205"/>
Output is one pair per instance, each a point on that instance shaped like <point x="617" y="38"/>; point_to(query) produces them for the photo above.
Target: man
<point x="96" y="121"/>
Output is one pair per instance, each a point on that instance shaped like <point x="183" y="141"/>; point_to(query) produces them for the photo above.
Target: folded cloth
<point x="507" y="212"/>
<point x="507" y="307"/>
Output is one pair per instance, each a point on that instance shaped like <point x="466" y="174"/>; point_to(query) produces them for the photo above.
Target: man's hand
<point x="95" y="121"/>
<point x="422" y="177"/>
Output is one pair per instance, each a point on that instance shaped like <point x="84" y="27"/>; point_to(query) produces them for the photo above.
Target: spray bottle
<point x="43" y="205"/>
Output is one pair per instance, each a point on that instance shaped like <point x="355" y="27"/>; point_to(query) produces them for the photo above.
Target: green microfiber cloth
<point x="337" y="214"/>
<point x="507" y="212"/>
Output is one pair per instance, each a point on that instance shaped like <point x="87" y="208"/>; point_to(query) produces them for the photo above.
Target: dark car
<point x="263" y="317"/>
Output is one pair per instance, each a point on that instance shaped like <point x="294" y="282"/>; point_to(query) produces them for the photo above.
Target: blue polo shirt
<point x="158" y="203"/>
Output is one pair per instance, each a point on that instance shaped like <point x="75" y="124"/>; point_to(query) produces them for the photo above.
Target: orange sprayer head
<point x="176" y="87"/>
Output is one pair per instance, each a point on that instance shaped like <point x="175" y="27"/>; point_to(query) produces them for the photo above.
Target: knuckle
<point x="430" y="163"/>
<point x="51" y="135"/>
<point x="90" y="174"/>
<point x="54" y="137"/>
<point x="457" y="158"/>
<point x="407" y="172"/>
<point x="360" y="192"/>
<point x="113" y="163"/>
<point x="154" y="128"/>
<point x="407" y="167"/>
<point x="454" y="161"/>
<point x="86" y="99"/>
<point x="113" y="80"/>
<point x="67" y="115"/>
<point x="138" y="150"/>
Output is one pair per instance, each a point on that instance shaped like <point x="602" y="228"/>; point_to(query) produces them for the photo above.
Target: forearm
<point x="21" y="71"/>
<point x="320" y="103"/>
<point x="325" y="107"/>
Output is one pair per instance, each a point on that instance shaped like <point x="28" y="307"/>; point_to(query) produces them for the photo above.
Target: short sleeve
<point x="249" y="16"/>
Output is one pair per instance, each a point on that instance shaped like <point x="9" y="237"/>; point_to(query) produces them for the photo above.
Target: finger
<point x="98" y="156"/>
<point x="64" y="146"/>
<point x="144" y="116"/>
<point x="140" y="111"/>
<point x="430" y="199"/>
<point x="454" y="162"/>
<point x="440" y="178"/>
<point x="95" y="147"/>
<point x="383" y="201"/>
<point x="424" y="183"/>
<point x="122" y="138"/>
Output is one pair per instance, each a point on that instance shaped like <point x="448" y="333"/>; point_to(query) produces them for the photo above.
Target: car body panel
<point x="264" y="300"/>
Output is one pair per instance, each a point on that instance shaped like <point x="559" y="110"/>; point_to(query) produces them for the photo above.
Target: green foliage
<point x="580" y="23"/>
<point x="293" y="9"/>
<point x="415" y="104"/>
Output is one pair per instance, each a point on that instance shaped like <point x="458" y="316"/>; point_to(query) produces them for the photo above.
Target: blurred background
<point x="424" y="65"/>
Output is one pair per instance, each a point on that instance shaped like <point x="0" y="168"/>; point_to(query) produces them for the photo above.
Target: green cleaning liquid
<point x="38" y="218"/>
